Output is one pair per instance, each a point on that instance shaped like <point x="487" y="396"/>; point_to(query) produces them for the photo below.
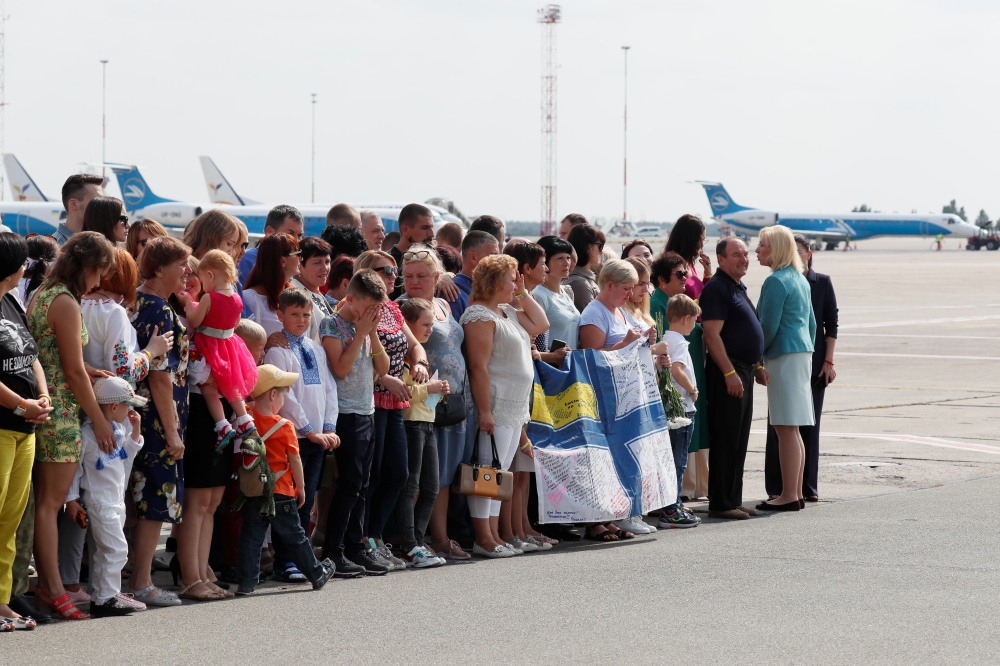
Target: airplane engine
<point x="755" y="218"/>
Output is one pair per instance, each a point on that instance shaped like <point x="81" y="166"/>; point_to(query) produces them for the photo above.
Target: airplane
<point x="142" y="202"/>
<point x="220" y="191"/>
<point x="30" y="211"/>
<point x="831" y="229"/>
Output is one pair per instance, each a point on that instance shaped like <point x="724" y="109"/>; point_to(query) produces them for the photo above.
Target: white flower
<point x="679" y="422"/>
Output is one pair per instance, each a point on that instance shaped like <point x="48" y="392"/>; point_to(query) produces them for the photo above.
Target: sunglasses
<point x="681" y="274"/>
<point x="419" y="255"/>
<point x="600" y="246"/>
<point x="390" y="271"/>
<point x="245" y="245"/>
<point x="123" y="220"/>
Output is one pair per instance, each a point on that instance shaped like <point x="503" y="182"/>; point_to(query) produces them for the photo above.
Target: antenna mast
<point x="313" y="200"/>
<point x="625" y="145"/>
<point x="549" y="16"/>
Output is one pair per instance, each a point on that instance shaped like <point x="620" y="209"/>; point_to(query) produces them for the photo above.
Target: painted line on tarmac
<point x="964" y="358"/>
<point x="934" y="388"/>
<point x="904" y="335"/>
<point x="916" y="322"/>
<point x="909" y="439"/>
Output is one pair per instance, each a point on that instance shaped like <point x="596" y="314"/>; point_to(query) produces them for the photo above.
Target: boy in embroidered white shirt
<point x="311" y="405"/>
<point x="104" y="475"/>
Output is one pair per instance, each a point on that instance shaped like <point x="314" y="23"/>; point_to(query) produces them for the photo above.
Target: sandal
<point x="61" y="605"/>
<point x="620" y="533"/>
<point x="217" y="589"/>
<point x="22" y="623"/>
<point x="208" y="595"/>
<point x="605" y="536"/>
<point x="6" y="625"/>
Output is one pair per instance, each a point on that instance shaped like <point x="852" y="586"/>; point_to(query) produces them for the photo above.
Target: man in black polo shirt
<point x="735" y="344"/>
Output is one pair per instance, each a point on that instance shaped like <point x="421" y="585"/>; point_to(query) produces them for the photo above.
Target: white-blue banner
<point x="602" y="448"/>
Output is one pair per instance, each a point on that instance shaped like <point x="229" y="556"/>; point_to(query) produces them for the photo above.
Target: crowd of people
<point x="301" y="409"/>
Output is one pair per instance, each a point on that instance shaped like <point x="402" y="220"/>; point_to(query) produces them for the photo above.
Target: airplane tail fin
<point x="719" y="200"/>
<point x="219" y="189"/>
<point x="135" y="190"/>
<point x="22" y="187"/>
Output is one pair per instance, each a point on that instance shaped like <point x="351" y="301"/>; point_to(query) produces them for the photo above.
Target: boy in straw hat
<point x="104" y="475"/>
<point x="282" y="455"/>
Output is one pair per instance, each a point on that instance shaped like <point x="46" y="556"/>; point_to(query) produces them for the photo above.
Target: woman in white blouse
<point x="113" y="344"/>
<point x="277" y="263"/>
<point x="498" y="344"/>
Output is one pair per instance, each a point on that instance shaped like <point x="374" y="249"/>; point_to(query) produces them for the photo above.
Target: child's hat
<point x="113" y="390"/>
<point x="269" y="377"/>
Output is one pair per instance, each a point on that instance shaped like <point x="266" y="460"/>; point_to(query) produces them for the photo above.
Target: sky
<point x="794" y="106"/>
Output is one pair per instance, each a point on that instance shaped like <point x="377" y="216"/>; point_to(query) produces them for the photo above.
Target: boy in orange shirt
<point x="282" y="447"/>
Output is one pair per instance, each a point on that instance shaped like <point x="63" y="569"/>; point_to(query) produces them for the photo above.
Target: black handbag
<point x="449" y="411"/>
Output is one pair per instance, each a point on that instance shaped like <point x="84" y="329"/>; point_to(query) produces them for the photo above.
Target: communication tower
<point x="549" y="16"/>
<point x="3" y="98"/>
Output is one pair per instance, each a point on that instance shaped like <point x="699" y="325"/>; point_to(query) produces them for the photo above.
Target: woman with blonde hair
<point x="501" y="374"/>
<point x="789" y="324"/>
<point x="638" y="302"/>
<point x="421" y="272"/>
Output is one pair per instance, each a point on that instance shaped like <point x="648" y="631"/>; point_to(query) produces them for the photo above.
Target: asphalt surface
<point x="897" y="564"/>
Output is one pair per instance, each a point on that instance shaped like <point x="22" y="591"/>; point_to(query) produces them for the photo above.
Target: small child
<point x="254" y="337"/>
<point x="289" y="489"/>
<point x="311" y="404"/>
<point x="682" y="312"/>
<point x="418" y="419"/>
<point x="104" y="476"/>
<point x="355" y="355"/>
<point x="234" y="371"/>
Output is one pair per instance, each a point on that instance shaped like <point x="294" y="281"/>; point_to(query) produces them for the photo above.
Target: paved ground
<point x="895" y="566"/>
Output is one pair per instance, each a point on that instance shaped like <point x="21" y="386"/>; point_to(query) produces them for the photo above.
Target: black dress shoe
<point x="22" y="606"/>
<point x="559" y="531"/>
<point x="110" y="608"/>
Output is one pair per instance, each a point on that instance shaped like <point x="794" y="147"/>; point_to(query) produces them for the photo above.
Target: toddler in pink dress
<point x="234" y="372"/>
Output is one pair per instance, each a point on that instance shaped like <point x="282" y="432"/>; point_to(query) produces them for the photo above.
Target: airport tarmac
<point x="895" y="565"/>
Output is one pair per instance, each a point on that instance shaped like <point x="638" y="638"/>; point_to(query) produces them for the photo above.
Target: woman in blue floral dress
<point x="158" y="471"/>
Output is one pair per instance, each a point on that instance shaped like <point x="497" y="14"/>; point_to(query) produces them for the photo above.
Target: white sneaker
<point x="643" y="523"/>
<point x="629" y="526"/>
<point x="421" y="558"/>
<point x="523" y="546"/>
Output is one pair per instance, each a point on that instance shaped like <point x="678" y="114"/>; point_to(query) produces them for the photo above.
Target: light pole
<point x="313" y="200"/>
<point x="104" y="114"/>
<point x="625" y="145"/>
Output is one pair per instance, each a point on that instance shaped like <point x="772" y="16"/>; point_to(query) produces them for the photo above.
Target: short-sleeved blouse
<point x="564" y="318"/>
<point x="511" y="370"/>
<point x="597" y="314"/>
<point x="113" y="344"/>
<point x="444" y="350"/>
<point x="261" y="312"/>
<point x="393" y="339"/>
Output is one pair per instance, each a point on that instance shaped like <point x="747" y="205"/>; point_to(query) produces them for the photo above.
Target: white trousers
<point x="507" y="439"/>
<point x="110" y="550"/>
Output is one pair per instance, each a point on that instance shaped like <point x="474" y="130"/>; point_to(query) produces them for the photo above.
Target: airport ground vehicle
<point x="986" y="238"/>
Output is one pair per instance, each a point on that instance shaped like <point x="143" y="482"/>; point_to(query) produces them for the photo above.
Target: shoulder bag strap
<point x="273" y="429"/>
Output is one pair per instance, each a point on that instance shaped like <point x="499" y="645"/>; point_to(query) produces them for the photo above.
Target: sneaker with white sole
<point x="629" y="526"/>
<point x="678" y="519"/>
<point x="386" y="553"/>
<point x="289" y="573"/>
<point x="377" y="555"/>
<point x="420" y="557"/>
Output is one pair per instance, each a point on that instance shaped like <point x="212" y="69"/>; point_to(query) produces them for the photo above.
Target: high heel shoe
<point x="175" y="569"/>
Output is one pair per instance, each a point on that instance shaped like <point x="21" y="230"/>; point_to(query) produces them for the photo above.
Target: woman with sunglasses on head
<point x="588" y="243"/>
<point x="638" y="247"/>
<point x="390" y="465"/>
<point x="107" y="217"/>
<point x="139" y="233"/>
